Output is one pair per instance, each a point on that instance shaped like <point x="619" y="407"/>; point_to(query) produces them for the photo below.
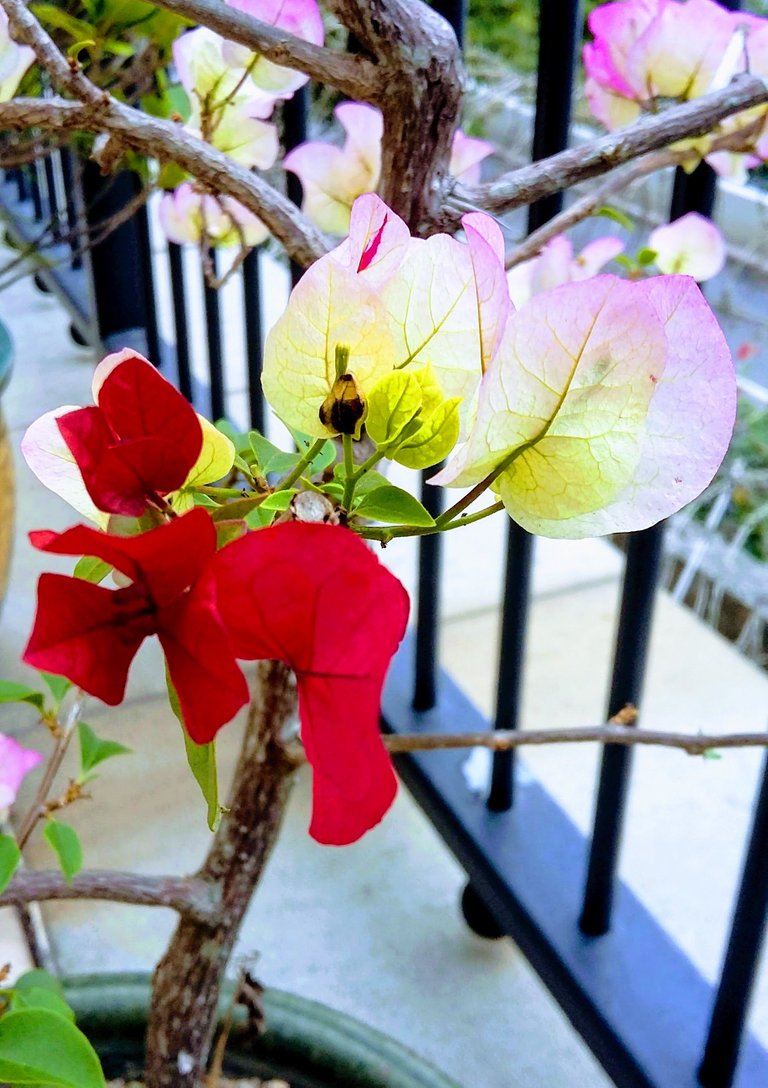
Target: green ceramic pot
<point x="7" y="491"/>
<point x="306" y="1044"/>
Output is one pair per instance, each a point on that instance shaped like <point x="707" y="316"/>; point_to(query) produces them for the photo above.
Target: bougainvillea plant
<point x="584" y="404"/>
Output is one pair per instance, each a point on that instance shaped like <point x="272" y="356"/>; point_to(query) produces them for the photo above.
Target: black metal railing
<point x="647" y="1014"/>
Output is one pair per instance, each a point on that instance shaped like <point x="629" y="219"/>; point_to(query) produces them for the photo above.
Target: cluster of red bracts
<point x="310" y="595"/>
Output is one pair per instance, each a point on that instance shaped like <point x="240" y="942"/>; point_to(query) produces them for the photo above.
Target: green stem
<point x="349" y="471"/>
<point x="459" y="507"/>
<point x="378" y="455"/>
<point x="298" y="469"/>
<point x="385" y="535"/>
<point x="222" y="492"/>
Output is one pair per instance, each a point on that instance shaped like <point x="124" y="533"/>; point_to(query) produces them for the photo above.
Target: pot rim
<point x="322" y="1039"/>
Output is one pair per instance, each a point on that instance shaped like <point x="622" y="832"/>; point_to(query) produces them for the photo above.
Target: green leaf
<point x="37" y="979"/>
<point x="269" y="457"/>
<point x="435" y="438"/>
<point x="57" y="685"/>
<point x="281" y="500"/>
<point x="52" y="16"/>
<point x="40" y="1047"/>
<point x="94" y="750"/>
<point x="258" y="518"/>
<point x="20" y="693"/>
<point x="608" y="212"/>
<point x="91" y="569"/>
<point x="65" y="843"/>
<point x="41" y="997"/>
<point x="10" y="856"/>
<point x="201" y="759"/>
<point x="646" y="257"/>
<point x="369" y="482"/>
<point x="393" y="506"/>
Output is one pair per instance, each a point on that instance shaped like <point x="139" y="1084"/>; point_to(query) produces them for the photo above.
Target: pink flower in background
<point x="15" y="763"/>
<point x="333" y="177"/>
<point x="692" y="246"/>
<point x="557" y="264"/>
<point x="299" y="17"/>
<point x="645" y="51"/>
<point x="189" y="216"/>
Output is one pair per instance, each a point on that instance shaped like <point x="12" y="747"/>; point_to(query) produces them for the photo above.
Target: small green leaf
<point x="65" y="843"/>
<point x="10" y="856"/>
<point x="608" y="212"/>
<point x="393" y="403"/>
<point x="20" y="693"/>
<point x="201" y="759"/>
<point x="323" y="460"/>
<point x="646" y="257"/>
<point x="712" y="754"/>
<point x="37" y="979"/>
<point x="269" y="457"/>
<point x="91" y="569"/>
<point x="281" y="500"/>
<point x="228" y="530"/>
<point x="40" y="1047"/>
<point x="393" y="506"/>
<point x="258" y="518"/>
<point x="369" y="482"/>
<point x="40" y="997"/>
<point x="57" y="685"/>
<point x="94" y="750"/>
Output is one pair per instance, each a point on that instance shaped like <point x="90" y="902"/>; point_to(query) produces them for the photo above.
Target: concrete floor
<point x="374" y="929"/>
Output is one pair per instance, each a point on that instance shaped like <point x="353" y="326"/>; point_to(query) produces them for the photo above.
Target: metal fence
<point x="646" y="1013"/>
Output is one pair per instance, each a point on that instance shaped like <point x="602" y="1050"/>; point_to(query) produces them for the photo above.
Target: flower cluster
<point x="311" y="595"/>
<point x="647" y="51"/>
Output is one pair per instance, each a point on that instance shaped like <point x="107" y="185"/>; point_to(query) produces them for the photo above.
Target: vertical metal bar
<point x="430" y="562"/>
<point x="71" y="179"/>
<point x="295" y="112"/>
<point x="51" y="197"/>
<point x="253" y="338"/>
<point x="34" y="184"/>
<point x="22" y="183"/>
<point x="428" y="603"/>
<point x="559" y="34"/>
<point x="178" y="298"/>
<point x="213" y="331"/>
<point x="745" y="942"/>
<point x="632" y="638"/>
<point x="455" y="12"/>
<point x="147" y="286"/>
<point x="691" y="192"/>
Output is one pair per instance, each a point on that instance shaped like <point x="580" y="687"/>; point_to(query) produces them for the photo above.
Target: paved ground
<point x="374" y="929"/>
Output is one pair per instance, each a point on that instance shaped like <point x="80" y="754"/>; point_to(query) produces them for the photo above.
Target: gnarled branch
<point x="168" y="142"/>
<point x="547" y="176"/>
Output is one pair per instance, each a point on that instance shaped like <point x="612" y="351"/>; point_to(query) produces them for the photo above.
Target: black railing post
<point x="118" y="261"/>
<point x="295" y="112"/>
<point x="742" y="955"/>
<point x="427" y="640"/>
<point x="693" y="192"/>
<point x="559" y="35"/>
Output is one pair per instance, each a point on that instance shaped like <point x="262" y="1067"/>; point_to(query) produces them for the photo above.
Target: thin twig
<point x="589" y="204"/>
<point x="190" y="896"/>
<point x="65" y="729"/>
